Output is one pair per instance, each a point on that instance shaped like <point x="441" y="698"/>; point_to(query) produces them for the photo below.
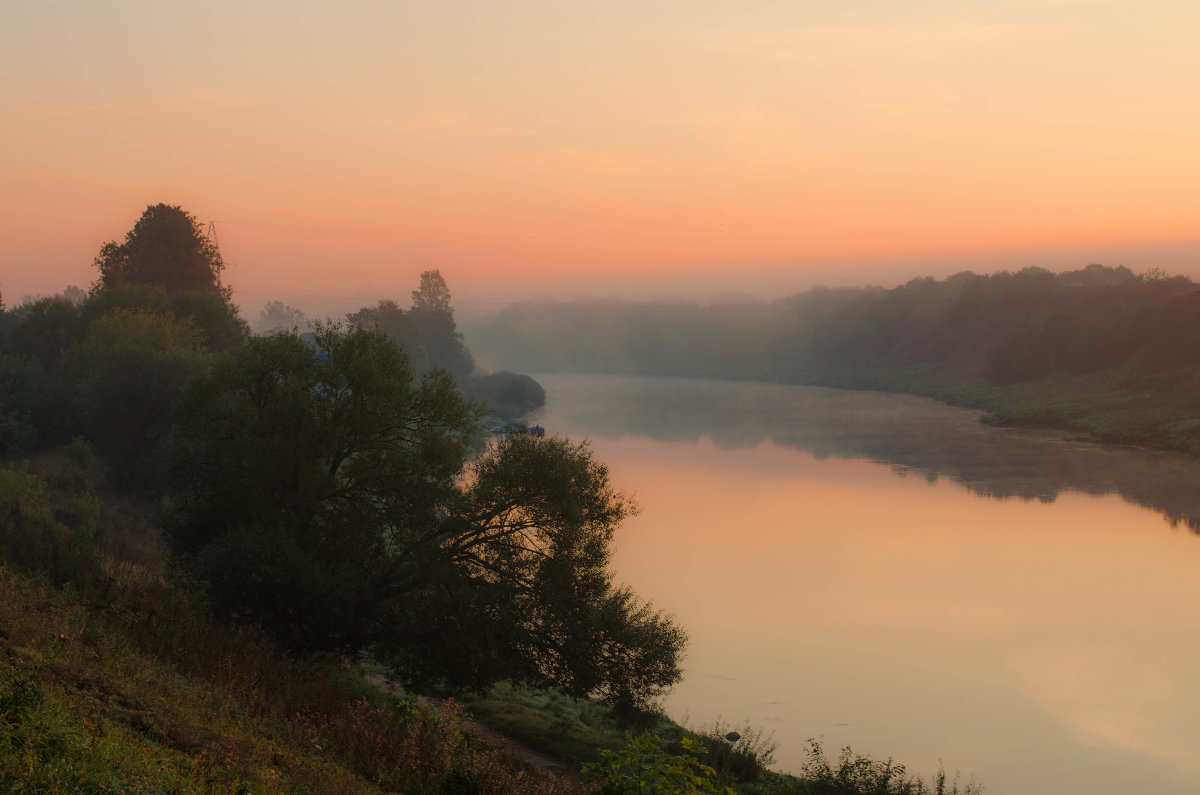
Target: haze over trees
<point x="278" y="316"/>
<point x="325" y="487"/>
<point x="1099" y="349"/>
<point x="428" y="333"/>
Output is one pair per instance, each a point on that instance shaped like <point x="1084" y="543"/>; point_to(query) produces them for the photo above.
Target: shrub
<point x="644" y="766"/>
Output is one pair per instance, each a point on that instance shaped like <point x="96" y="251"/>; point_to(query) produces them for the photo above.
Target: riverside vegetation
<point x="1100" y="351"/>
<point x="211" y="534"/>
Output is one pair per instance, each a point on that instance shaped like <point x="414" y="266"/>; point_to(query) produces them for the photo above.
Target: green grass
<point x="1109" y="407"/>
<point x="114" y="680"/>
<point x="570" y="729"/>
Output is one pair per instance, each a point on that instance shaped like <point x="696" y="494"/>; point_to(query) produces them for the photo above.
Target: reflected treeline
<point x="911" y="435"/>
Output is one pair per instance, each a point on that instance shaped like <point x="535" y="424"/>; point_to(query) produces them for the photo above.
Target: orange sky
<point x="587" y="148"/>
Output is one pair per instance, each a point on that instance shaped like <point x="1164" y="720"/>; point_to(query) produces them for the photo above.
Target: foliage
<point x="746" y="758"/>
<point x="531" y="540"/>
<point x="854" y="774"/>
<point x="506" y="394"/>
<point x="317" y="494"/>
<point x="278" y="315"/>
<point x="28" y="404"/>
<point x="645" y="767"/>
<point x="124" y="684"/>
<point x="43" y="331"/>
<point x="568" y="728"/>
<point x="211" y="314"/>
<point x="30" y="534"/>
<point x="166" y="247"/>
<point x="1099" y="351"/>
<point x="128" y="372"/>
<point x="389" y="319"/>
<point x="309" y="483"/>
<point x="432" y="318"/>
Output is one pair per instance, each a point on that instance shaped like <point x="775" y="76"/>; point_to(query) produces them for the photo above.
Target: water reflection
<point x="913" y="436"/>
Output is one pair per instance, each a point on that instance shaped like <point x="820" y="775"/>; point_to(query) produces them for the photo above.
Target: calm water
<point x="885" y="572"/>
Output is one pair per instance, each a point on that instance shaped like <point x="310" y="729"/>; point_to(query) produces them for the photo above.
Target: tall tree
<point x="166" y="247"/>
<point x="432" y="317"/>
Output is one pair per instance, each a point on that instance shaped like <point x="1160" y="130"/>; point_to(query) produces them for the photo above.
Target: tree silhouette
<point x="432" y="319"/>
<point x="167" y="248"/>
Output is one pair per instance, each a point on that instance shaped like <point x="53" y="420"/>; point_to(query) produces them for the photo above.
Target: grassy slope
<point x="111" y="680"/>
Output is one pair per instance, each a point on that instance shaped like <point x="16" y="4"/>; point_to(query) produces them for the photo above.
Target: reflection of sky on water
<point x="911" y="435"/>
<point x="1046" y="644"/>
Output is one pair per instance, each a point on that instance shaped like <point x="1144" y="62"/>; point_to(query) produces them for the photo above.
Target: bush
<point x="506" y="394"/>
<point x="645" y="767"/>
<point x="29" y="534"/>
<point x="854" y="774"/>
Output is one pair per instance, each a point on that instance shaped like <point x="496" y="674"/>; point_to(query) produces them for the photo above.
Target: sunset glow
<point x="538" y="148"/>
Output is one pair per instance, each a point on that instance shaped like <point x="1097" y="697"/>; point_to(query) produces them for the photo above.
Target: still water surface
<point x="883" y="571"/>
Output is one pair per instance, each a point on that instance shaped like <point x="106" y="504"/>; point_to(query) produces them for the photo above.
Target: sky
<point x="534" y="148"/>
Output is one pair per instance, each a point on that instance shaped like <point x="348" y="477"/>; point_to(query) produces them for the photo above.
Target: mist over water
<point x="884" y="571"/>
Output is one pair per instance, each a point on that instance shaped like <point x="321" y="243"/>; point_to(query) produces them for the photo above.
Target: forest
<point x="1100" y="350"/>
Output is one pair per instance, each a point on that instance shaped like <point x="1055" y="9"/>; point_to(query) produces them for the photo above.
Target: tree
<point x="43" y="331"/>
<point x="389" y="319"/>
<point x="432" y="317"/>
<point x="278" y="315"/>
<point x="166" y="247"/>
<point x="309" y="482"/>
<point x="324" y="493"/>
<point x="128" y="373"/>
<point x="530" y="541"/>
<point x="212" y="314"/>
<point x="505" y="393"/>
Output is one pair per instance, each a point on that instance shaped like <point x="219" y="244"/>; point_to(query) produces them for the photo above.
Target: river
<point x="885" y="572"/>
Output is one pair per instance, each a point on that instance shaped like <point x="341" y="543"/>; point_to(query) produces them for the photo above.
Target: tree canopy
<point x="325" y="493"/>
<point x="167" y="248"/>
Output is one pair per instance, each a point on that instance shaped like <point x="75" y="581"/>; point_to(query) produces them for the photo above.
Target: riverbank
<point x="1108" y="407"/>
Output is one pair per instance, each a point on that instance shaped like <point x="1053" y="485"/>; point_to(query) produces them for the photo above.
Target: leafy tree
<point x="277" y="314"/>
<point x="389" y="319"/>
<point x="537" y="523"/>
<point x="24" y="396"/>
<point x="527" y="549"/>
<point x="309" y="482"/>
<point x="128" y="373"/>
<point x="433" y="319"/>
<point x="35" y="401"/>
<point x="166" y="247"/>
<point x="43" y="331"/>
<point x="322" y="493"/>
<point x="213" y="316"/>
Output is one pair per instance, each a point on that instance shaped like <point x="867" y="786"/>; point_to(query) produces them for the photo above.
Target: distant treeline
<point x="1007" y="342"/>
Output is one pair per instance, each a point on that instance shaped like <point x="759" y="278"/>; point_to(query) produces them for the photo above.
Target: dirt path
<point x="514" y="749"/>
